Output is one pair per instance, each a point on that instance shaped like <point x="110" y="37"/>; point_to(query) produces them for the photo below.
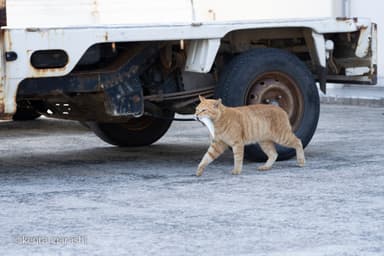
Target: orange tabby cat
<point x="239" y="126"/>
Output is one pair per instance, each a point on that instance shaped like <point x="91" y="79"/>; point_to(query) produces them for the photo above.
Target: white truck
<point x="126" y="70"/>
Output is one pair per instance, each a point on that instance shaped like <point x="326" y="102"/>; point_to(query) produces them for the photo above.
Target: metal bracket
<point x="202" y="54"/>
<point x="124" y="98"/>
<point x="122" y="88"/>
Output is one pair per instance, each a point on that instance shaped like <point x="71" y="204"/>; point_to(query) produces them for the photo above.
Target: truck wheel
<point x="25" y="114"/>
<point x="272" y="76"/>
<point x="137" y="132"/>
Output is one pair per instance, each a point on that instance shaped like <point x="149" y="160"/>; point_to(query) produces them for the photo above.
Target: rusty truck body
<point x="126" y="76"/>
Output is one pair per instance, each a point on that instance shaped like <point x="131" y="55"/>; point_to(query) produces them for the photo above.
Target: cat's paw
<point x="236" y="172"/>
<point x="301" y="162"/>
<point x="264" y="168"/>
<point x="199" y="172"/>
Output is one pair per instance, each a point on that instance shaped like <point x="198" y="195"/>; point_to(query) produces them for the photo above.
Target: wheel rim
<point x="279" y="89"/>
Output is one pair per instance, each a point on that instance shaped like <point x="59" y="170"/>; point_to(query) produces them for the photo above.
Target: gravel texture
<point x="65" y="192"/>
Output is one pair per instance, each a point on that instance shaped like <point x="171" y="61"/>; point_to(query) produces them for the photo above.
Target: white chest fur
<point x="209" y="124"/>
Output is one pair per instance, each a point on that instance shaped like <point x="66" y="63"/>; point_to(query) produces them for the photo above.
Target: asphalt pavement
<point x="65" y="192"/>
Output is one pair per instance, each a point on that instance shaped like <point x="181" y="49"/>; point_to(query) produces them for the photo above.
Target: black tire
<point x="25" y="114"/>
<point x="272" y="76"/>
<point x="137" y="132"/>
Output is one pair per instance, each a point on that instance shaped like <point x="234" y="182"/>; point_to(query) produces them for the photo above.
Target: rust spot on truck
<point x="33" y="30"/>
<point x="95" y="12"/>
<point x="354" y="19"/>
<point x="7" y="40"/>
<point x="362" y="28"/>
<point x="363" y="43"/>
<point x="47" y="72"/>
<point x="3" y="13"/>
<point x="1" y="99"/>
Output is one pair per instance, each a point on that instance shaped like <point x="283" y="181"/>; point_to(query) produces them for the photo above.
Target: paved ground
<point x="64" y="192"/>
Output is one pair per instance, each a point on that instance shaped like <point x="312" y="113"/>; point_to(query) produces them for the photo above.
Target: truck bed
<point x="42" y="13"/>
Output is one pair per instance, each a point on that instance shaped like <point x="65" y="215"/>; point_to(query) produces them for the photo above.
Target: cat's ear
<point x="217" y="103"/>
<point x="201" y="98"/>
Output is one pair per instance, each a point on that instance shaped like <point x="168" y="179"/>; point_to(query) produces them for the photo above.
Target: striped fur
<point x="240" y="126"/>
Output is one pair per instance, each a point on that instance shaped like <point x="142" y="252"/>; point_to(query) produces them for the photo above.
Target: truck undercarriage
<point x="122" y="80"/>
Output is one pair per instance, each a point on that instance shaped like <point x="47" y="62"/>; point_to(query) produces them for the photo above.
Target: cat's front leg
<point x="238" y="155"/>
<point x="270" y="150"/>
<point x="214" y="151"/>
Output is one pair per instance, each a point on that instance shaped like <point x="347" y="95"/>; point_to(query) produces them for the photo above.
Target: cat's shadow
<point x="157" y="155"/>
<point x="177" y="156"/>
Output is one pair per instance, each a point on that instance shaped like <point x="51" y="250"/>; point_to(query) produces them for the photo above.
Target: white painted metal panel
<point x="262" y="9"/>
<point x="144" y="11"/>
<point x="35" y="13"/>
<point x="61" y="13"/>
<point x="50" y="13"/>
<point x="75" y="40"/>
<point x="201" y="54"/>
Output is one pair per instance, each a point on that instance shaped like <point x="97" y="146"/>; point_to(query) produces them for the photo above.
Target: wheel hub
<point x="278" y="89"/>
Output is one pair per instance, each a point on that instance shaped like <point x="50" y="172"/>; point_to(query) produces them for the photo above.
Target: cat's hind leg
<point x="293" y="142"/>
<point x="269" y="149"/>
<point x="214" y="151"/>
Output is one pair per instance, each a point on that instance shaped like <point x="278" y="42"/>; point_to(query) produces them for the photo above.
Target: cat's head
<point x="208" y="108"/>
